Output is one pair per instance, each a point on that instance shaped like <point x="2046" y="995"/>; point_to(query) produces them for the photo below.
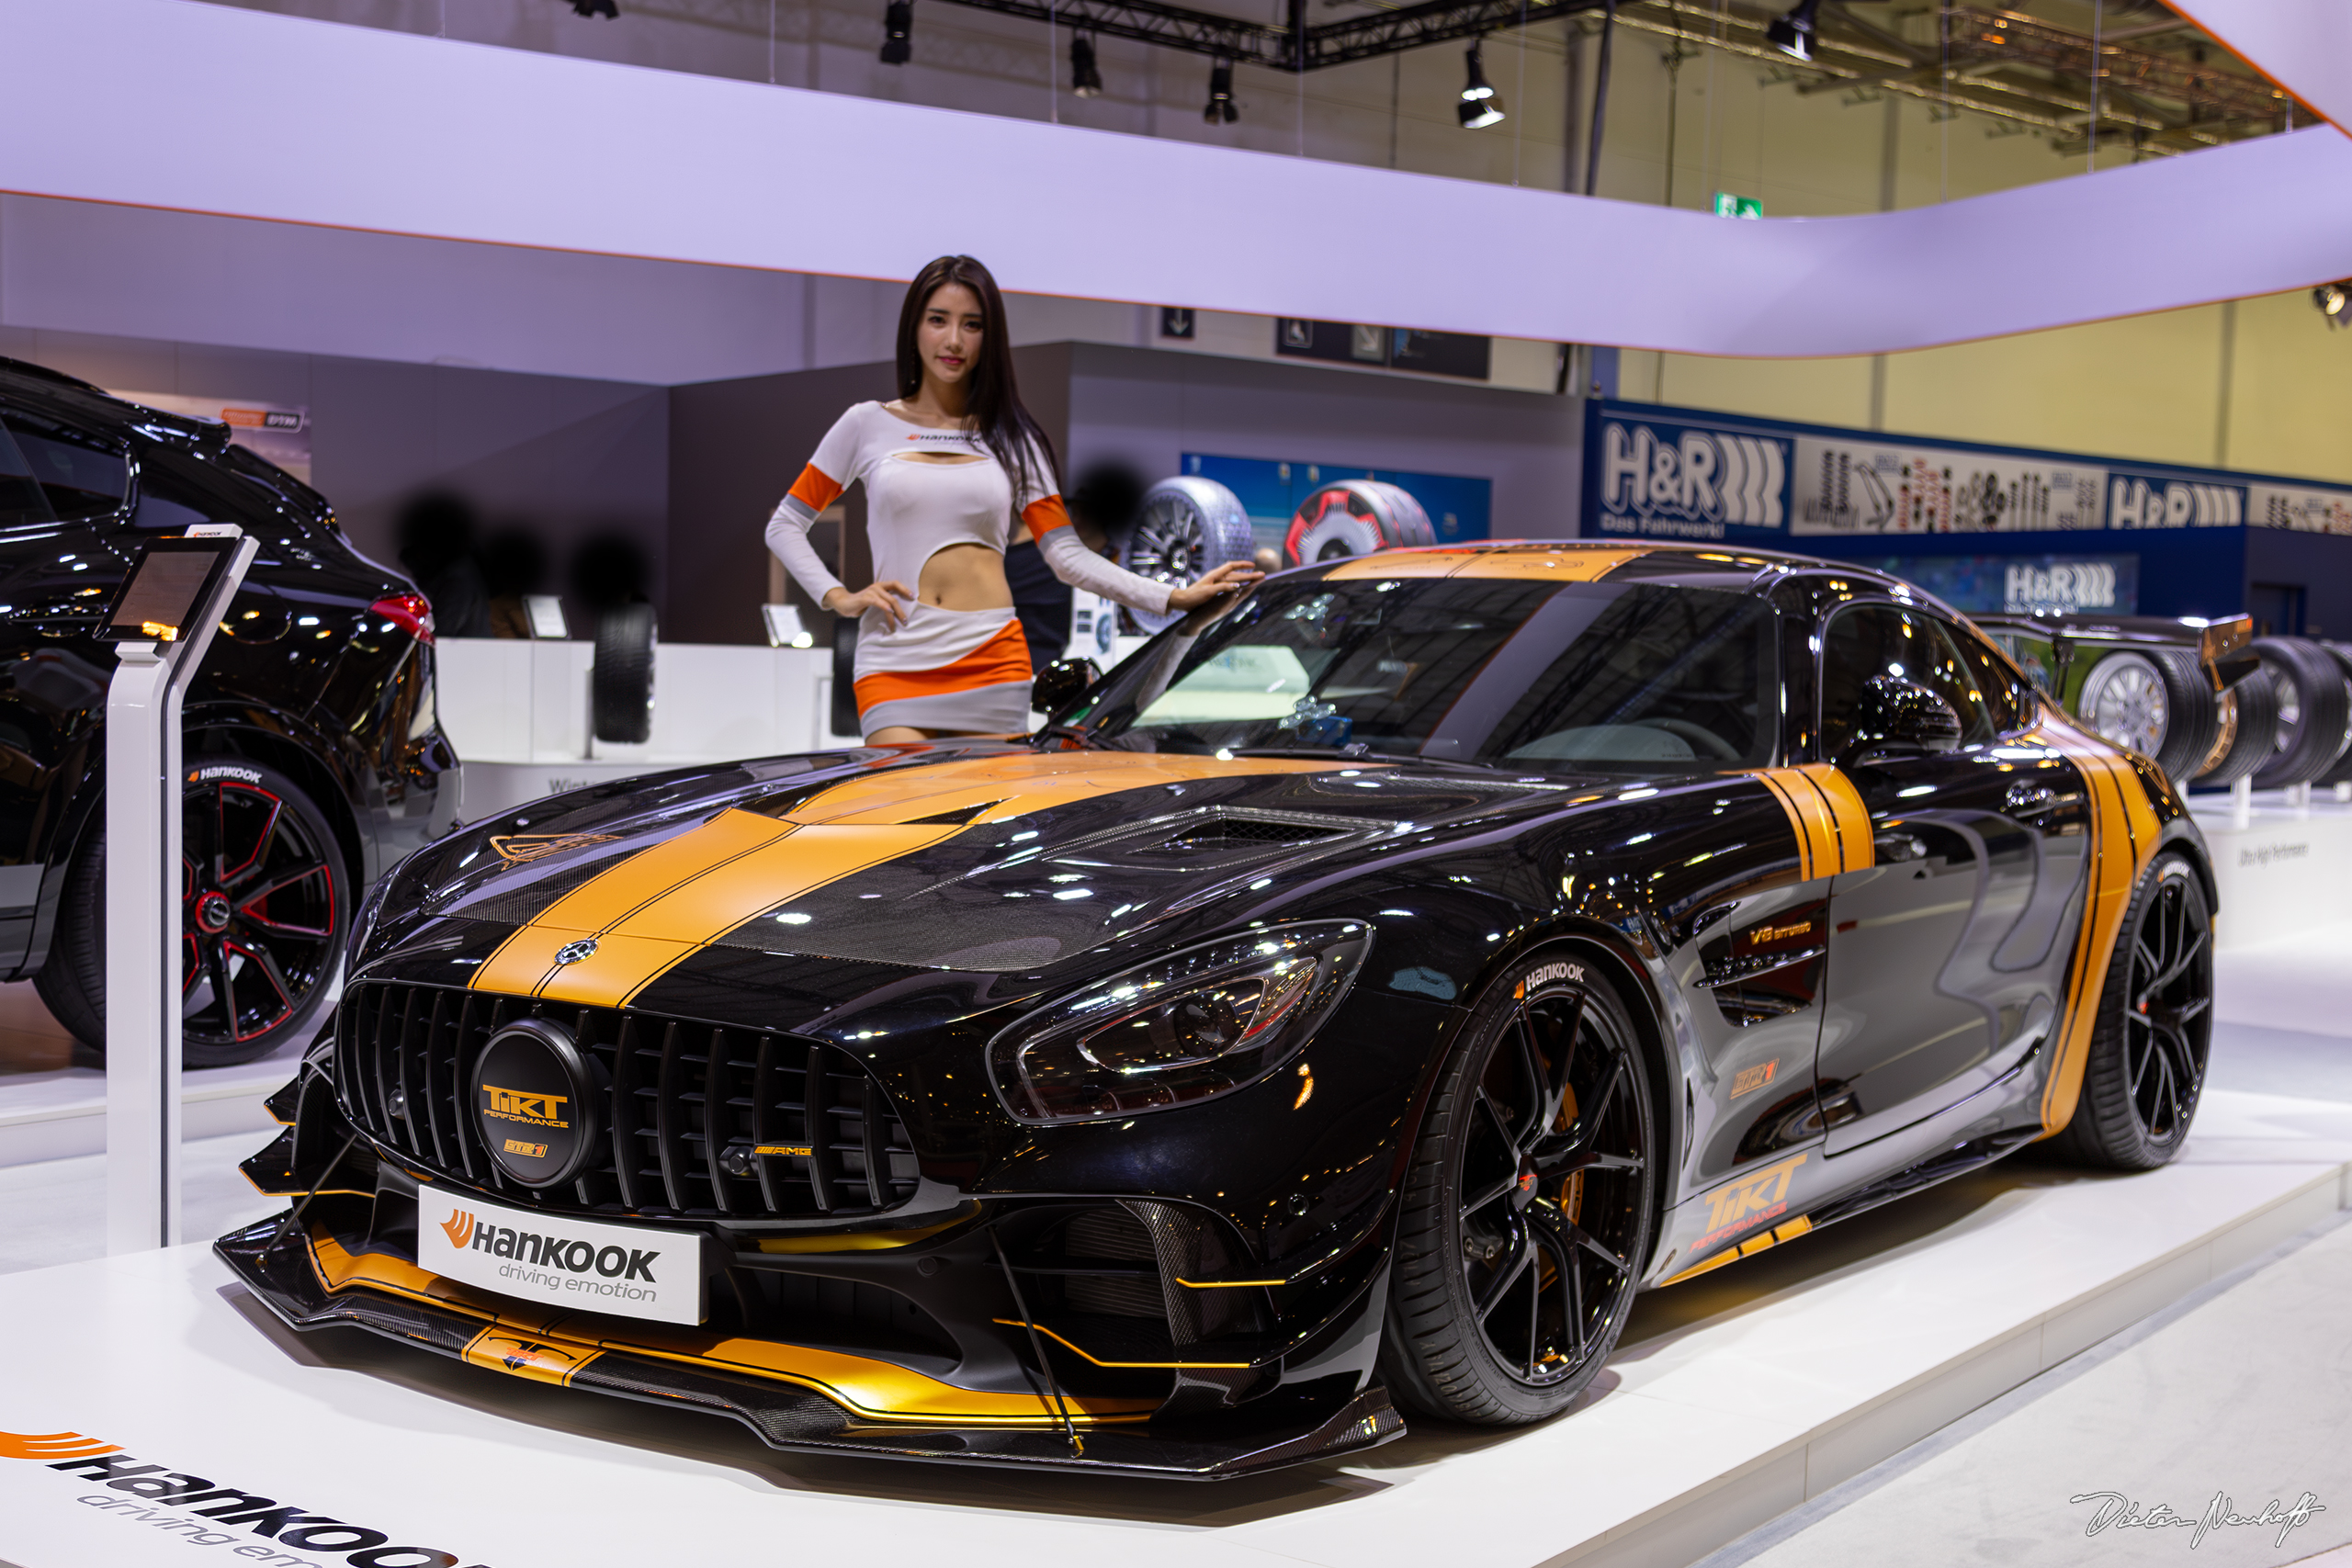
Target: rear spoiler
<point x="2223" y="646"/>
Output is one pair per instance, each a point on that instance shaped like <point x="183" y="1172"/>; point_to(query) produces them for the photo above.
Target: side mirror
<point x="1062" y="682"/>
<point x="1899" y="716"/>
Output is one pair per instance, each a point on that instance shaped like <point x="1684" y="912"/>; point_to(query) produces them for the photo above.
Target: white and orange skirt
<point x="965" y="670"/>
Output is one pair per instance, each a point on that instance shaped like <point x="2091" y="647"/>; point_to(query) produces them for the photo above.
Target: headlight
<point x="1180" y="1028"/>
<point x="363" y="924"/>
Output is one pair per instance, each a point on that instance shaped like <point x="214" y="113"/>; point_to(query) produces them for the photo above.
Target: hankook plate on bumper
<point x="554" y="1260"/>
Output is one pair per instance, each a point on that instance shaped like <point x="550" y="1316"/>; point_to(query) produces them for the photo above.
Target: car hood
<point x="988" y="863"/>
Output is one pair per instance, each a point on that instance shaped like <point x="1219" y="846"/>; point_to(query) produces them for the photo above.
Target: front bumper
<point x="793" y="1398"/>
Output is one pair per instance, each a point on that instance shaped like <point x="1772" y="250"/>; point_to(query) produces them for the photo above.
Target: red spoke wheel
<point x="264" y="906"/>
<point x="1528" y="1207"/>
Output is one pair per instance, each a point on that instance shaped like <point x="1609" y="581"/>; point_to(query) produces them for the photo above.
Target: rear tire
<point x="264" y="911"/>
<point x="621" y="681"/>
<point x="2154" y="1036"/>
<point x="1528" y="1206"/>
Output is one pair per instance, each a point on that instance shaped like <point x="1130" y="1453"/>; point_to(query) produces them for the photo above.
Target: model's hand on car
<point x="1232" y="576"/>
<point x="883" y="597"/>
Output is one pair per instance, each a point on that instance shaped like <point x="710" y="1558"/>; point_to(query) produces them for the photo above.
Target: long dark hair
<point x="992" y="402"/>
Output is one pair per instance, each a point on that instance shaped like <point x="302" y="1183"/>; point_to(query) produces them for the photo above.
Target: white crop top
<point x="915" y="507"/>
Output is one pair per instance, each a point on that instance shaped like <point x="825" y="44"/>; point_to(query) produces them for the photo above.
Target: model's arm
<point x="814" y="491"/>
<point x="1081" y="568"/>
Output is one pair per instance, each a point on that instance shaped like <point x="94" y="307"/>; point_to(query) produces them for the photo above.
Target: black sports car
<point x="313" y="761"/>
<point x="1360" y="994"/>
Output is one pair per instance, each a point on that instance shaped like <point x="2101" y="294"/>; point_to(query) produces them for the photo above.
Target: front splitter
<point x="1285" y="1428"/>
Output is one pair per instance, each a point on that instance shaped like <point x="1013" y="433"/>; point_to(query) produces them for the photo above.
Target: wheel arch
<point x="304" y="765"/>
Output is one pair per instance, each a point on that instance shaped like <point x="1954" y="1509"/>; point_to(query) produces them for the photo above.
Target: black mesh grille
<point x="691" y="1106"/>
<point x="1225" y="831"/>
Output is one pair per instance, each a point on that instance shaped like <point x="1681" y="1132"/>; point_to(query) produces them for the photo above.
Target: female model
<point x="947" y="465"/>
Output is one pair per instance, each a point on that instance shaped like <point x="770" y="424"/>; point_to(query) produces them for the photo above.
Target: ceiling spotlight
<point x="1479" y="107"/>
<point x="1085" y="81"/>
<point x="1793" y="34"/>
<point x="595" y="8"/>
<point x="1220" y="107"/>
<point x="898" y="29"/>
<point x="2333" y="299"/>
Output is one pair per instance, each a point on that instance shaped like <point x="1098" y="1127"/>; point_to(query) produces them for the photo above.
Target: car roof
<point x="1588" y="560"/>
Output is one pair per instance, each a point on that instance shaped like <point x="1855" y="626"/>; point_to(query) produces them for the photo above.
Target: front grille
<point x="688" y="1101"/>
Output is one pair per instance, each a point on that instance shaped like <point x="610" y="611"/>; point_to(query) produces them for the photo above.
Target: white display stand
<point x="143" y="895"/>
<point x="1734" y="1398"/>
<point x="2282" y="863"/>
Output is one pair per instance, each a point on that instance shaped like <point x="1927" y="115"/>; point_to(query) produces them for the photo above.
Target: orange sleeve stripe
<point x="815" y="489"/>
<point x="1003" y="659"/>
<point x="1044" y="515"/>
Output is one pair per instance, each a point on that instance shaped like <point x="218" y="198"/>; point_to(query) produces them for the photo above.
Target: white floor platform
<point x="1734" y="1398"/>
<point x="54" y="1094"/>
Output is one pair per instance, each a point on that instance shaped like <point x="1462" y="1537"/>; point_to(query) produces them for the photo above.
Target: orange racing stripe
<point x="2124" y="830"/>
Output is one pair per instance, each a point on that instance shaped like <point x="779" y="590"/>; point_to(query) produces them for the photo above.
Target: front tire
<point x="2149" y="1046"/>
<point x="265" y="909"/>
<point x="1528" y="1206"/>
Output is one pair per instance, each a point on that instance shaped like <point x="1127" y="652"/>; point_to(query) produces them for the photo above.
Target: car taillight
<point x="409" y="612"/>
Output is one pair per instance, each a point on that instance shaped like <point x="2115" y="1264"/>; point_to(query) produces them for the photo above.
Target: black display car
<point x="1350" y="1003"/>
<point x="313" y="761"/>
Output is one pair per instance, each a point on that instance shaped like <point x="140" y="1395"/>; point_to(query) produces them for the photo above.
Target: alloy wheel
<point x="2167" y="1021"/>
<point x="259" y="912"/>
<point x="1552" y="1189"/>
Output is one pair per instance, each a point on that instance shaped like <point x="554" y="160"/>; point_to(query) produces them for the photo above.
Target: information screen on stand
<point x="157" y="602"/>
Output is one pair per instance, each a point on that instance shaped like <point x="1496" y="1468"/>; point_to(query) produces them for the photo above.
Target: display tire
<point x="2314" y="712"/>
<point x="1185" y="528"/>
<point x="1354" y="517"/>
<point x="621" y="682"/>
<point x="2341" y="772"/>
<point x="2255" y="704"/>
<point x="2151" y="1041"/>
<point x="2157" y="702"/>
<point x="1528" y="1204"/>
<point x="280" y="963"/>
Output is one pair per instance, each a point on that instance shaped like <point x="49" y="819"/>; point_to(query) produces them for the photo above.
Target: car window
<point x="168" y="501"/>
<point x="1868" y="640"/>
<point x="1996" y="681"/>
<point x="1529" y="673"/>
<point x="80" y="475"/>
<point x="21" y="501"/>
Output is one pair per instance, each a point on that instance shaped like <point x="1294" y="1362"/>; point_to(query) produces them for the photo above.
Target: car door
<point x="57" y="572"/>
<point x="1942" y="953"/>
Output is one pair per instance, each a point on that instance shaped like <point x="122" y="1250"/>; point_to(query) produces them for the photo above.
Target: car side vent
<point x="1236" y="833"/>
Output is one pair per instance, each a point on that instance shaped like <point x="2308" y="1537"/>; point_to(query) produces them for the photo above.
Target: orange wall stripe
<point x="815" y="489"/>
<point x="2124" y="830"/>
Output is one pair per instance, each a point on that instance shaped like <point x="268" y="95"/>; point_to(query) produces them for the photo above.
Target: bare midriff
<point x="964" y="577"/>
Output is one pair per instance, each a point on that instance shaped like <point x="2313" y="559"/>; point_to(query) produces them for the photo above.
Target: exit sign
<point x="1730" y="206"/>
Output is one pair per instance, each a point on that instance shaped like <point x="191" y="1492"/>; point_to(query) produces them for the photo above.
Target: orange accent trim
<point x="861" y="1384"/>
<point x="815" y="489"/>
<point x="1565" y="561"/>
<point x="1849" y="819"/>
<point x="525" y="1355"/>
<point x="2124" y="830"/>
<point x="1043" y="516"/>
<point x="1001" y="661"/>
<point x="1789" y="1231"/>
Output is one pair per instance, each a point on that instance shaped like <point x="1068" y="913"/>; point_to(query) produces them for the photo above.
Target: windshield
<point x="1616" y="677"/>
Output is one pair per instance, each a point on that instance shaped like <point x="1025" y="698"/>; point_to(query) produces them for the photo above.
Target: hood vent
<point x="1225" y="833"/>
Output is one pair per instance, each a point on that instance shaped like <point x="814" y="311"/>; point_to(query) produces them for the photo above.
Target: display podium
<point x="163" y="620"/>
